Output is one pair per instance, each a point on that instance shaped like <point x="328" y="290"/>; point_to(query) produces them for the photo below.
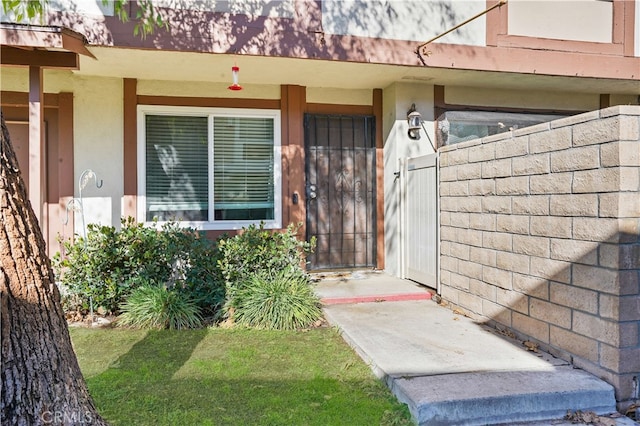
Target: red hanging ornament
<point x="235" y="70"/>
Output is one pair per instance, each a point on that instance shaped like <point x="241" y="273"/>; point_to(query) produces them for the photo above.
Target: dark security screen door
<point x="341" y="190"/>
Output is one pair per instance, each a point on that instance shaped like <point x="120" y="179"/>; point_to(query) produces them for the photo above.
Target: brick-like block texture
<point x="540" y="233"/>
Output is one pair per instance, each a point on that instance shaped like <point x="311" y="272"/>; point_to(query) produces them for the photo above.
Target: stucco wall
<point x="541" y="234"/>
<point x="98" y="145"/>
<point x="98" y="135"/>
<point x="281" y="8"/>
<point x="321" y="95"/>
<point x="204" y="89"/>
<point x="324" y="95"/>
<point x="416" y="20"/>
<point x="397" y="99"/>
<point x="585" y="20"/>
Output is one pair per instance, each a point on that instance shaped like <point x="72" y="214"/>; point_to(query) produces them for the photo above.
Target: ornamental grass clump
<point x="277" y="301"/>
<point x="257" y="250"/>
<point x="158" y="307"/>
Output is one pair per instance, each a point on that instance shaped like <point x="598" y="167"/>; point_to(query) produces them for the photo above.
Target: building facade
<point x="107" y="124"/>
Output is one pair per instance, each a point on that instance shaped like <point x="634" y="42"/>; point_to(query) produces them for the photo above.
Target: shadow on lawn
<point x="138" y="382"/>
<point x="203" y="377"/>
<point x="169" y="348"/>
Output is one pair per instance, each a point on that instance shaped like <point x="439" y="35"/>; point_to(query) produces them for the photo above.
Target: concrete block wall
<point x="540" y="234"/>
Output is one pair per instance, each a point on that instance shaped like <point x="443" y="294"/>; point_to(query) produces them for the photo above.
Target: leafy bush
<point x="284" y="300"/>
<point x="109" y="264"/>
<point x="257" y="250"/>
<point x="146" y="272"/>
<point x="157" y="307"/>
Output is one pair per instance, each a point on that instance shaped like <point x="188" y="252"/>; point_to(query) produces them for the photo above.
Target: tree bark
<point x="41" y="379"/>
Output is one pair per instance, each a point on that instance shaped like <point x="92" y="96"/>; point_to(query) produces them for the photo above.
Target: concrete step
<point x="347" y="288"/>
<point x="486" y="398"/>
<point x="451" y="370"/>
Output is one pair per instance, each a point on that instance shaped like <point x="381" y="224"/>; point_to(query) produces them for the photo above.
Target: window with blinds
<point x="217" y="167"/>
<point x="243" y="168"/>
<point x="177" y="167"/>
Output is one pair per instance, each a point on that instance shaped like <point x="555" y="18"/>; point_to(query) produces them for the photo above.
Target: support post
<point x="36" y="141"/>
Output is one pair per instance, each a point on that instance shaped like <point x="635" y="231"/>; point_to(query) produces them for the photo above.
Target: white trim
<point x="212" y="212"/>
<point x="141" y="192"/>
<point x="143" y="110"/>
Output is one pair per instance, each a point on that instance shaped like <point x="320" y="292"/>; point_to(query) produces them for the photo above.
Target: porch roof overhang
<point x="164" y="65"/>
<point x="41" y="46"/>
<point x="38" y="47"/>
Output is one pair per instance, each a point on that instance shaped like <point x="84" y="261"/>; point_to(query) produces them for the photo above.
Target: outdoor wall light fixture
<point x="415" y="122"/>
<point x="414" y="119"/>
<point x="235" y="70"/>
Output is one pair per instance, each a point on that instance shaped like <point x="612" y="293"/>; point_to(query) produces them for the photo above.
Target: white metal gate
<point x="420" y="212"/>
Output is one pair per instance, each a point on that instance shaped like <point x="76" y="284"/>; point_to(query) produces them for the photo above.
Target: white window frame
<point x="210" y="113"/>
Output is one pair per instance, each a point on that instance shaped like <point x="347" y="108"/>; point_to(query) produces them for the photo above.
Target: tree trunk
<point x="41" y="379"/>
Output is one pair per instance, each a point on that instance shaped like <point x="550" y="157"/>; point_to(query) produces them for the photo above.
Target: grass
<point x="231" y="377"/>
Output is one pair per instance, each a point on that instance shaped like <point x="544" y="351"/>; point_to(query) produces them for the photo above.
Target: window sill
<point x="218" y="226"/>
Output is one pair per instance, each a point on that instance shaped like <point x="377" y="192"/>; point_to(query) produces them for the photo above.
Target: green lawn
<point x="231" y="377"/>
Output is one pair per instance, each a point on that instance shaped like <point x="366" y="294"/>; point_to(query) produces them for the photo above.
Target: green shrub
<point x="282" y="300"/>
<point x="157" y="307"/>
<point x="257" y="250"/>
<point x="109" y="264"/>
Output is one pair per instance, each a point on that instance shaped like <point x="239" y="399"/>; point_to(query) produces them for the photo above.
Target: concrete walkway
<point x="449" y="369"/>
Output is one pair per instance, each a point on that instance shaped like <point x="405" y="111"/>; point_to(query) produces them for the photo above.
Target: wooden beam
<point x="43" y="37"/>
<point x="315" y="108"/>
<point x="208" y="102"/>
<point x="378" y="113"/>
<point x="130" y="151"/>
<point x="21" y="99"/>
<point x="38" y="58"/>
<point x="293" y="101"/>
<point x="36" y="142"/>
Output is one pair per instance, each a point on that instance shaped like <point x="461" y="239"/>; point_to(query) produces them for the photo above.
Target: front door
<point x="341" y="190"/>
